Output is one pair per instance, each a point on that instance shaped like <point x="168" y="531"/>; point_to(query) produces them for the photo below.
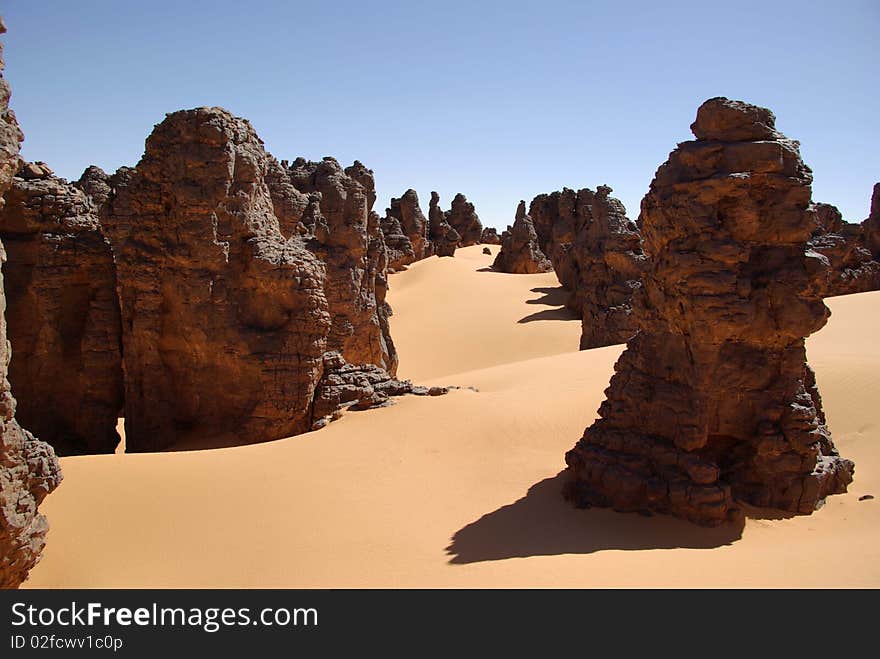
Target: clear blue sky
<point x="499" y="100"/>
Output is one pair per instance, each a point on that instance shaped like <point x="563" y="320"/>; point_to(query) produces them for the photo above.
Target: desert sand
<point x="461" y="490"/>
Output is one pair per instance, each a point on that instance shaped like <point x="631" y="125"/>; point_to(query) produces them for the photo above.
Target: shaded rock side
<point x="490" y="236"/>
<point x="520" y="253"/>
<point x="414" y="226"/>
<point x="443" y="236"/>
<point x="62" y="314"/>
<point x="359" y="387"/>
<point x="462" y="216"/>
<point x="225" y="320"/>
<point x="347" y="238"/>
<point x="29" y="469"/>
<point x="852" y="268"/>
<point x="399" y="248"/>
<point x="712" y="402"/>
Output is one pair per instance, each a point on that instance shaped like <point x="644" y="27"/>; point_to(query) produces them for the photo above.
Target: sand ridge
<point x="460" y="490"/>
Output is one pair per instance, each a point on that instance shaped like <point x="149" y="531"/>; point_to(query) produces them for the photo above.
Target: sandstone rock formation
<point x="225" y="319"/>
<point x="712" y="402"/>
<point x="408" y="213"/>
<point x="443" y="236"/>
<point x="464" y="219"/>
<point x="852" y="268"/>
<point x="29" y="469"/>
<point x="871" y="226"/>
<point x="345" y="386"/>
<point x="490" y="236"/>
<point x="488" y="251"/>
<point x="399" y="248"/>
<point x="62" y="314"/>
<point x="520" y="253"/>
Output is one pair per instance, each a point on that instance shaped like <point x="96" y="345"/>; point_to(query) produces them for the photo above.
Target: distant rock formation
<point x="712" y="402"/>
<point x="225" y="318"/>
<point x="29" y="469"/>
<point x="62" y="315"/>
<point x="464" y="219"/>
<point x="399" y="247"/>
<point x="871" y="226"/>
<point x="444" y="238"/>
<point x="488" y="251"/>
<point x="852" y="268"/>
<point x="414" y="226"/>
<point x="520" y="253"/>
<point x="348" y="386"/>
<point x="490" y="236"/>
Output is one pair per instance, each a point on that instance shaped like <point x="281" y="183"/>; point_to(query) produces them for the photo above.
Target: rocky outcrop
<point x="520" y="253"/>
<point x="225" y="318"/>
<point x="464" y="219"/>
<point x="555" y="217"/>
<point x="348" y="386"/>
<point x="490" y="236"/>
<point x="29" y="469"/>
<point x="487" y="251"/>
<point x="871" y="226"/>
<point x="414" y="226"/>
<point x="349" y="242"/>
<point x="62" y="314"/>
<point x="712" y="402"/>
<point x="399" y="248"/>
<point x="852" y="268"/>
<point x="444" y="238"/>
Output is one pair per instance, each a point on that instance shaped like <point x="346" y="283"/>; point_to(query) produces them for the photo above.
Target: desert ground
<point x="461" y="490"/>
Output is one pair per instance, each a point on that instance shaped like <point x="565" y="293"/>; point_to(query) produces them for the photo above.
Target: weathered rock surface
<point x="462" y="216"/>
<point x="225" y="319"/>
<point x="29" y="469"/>
<point x="348" y="386"/>
<point x="712" y="402"/>
<point x="520" y="253"/>
<point x="490" y="236"/>
<point x="852" y="266"/>
<point x="444" y="238"/>
<point x="62" y="314"/>
<point x="414" y="226"/>
<point x="596" y="254"/>
<point x="871" y="226"/>
<point x="486" y="250"/>
<point x="398" y="246"/>
<point x="350" y="243"/>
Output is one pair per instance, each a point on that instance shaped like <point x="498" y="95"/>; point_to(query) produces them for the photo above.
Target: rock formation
<point x="225" y="319"/>
<point x="871" y="226"/>
<point x="488" y="251"/>
<point x="408" y="213"/>
<point x="443" y="236"/>
<point x="852" y="268"/>
<point x="62" y="314"/>
<point x="490" y="236"/>
<point x="520" y="253"/>
<point x="29" y="469"/>
<point x="345" y="386"/>
<point x="464" y="219"/>
<point x="399" y="248"/>
<point x="712" y="402"/>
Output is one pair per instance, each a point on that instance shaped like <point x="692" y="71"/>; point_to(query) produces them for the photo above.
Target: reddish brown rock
<point x="462" y="216"/>
<point x="414" y="226"/>
<point x="62" y="314"/>
<point x="555" y="217"/>
<point x="488" y="251"/>
<point x="871" y="226"/>
<point x="225" y="319"/>
<point x="712" y="402"/>
<point x="852" y="268"/>
<point x="398" y="245"/>
<point x="29" y="469"/>
<point x="490" y="236"/>
<point x="520" y="253"/>
<point x="349" y="386"/>
<point x="443" y="236"/>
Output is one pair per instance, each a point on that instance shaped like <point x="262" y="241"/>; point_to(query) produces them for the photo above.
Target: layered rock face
<point x="520" y="253"/>
<point x="443" y="236"/>
<point x="349" y="242"/>
<point x="490" y="236"/>
<point x="712" y="402"/>
<point x="464" y="219"/>
<point x="63" y="314"/>
<point x="413" y="225"/>
<point x="852" y="268"/>
<point x="399" y="247"/>
<point x="225" y="319"/>
<point x="29" y="469"/>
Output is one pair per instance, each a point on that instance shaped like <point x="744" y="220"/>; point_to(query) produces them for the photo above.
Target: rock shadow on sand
<point x="551" y="297"/>
<point x="542" y="523"/>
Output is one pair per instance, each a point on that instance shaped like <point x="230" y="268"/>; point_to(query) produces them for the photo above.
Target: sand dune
<point x="462" y="490"/>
